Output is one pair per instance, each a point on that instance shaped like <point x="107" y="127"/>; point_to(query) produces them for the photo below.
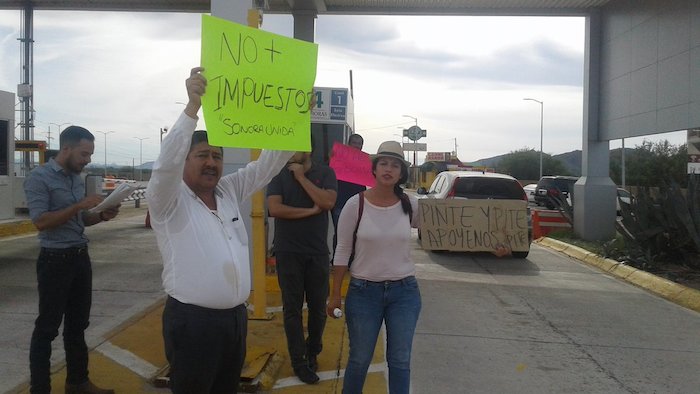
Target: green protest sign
<point x="259" y="86"/>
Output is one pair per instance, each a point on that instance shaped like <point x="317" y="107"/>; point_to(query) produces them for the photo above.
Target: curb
<point x="18" y="227"/>
<point x="672" y="291"/>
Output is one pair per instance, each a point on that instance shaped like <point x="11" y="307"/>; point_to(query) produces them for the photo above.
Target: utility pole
<point x="141" y="156"/>
<point x="541" y="103"/>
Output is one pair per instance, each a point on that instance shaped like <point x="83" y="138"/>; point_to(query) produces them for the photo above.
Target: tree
<point x="651" y="164"/>
<point x="525" y="164"/>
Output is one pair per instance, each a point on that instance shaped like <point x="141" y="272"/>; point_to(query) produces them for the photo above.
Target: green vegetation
<point x="664" y="228"/>
<point x="654" y="232"/>
<point x="647" y="164"/>
<point x="650" y="164"/>
<point x="568" y="236"/>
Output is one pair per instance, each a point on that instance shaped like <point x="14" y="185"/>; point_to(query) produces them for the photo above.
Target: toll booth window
<point x="4" y="148"/>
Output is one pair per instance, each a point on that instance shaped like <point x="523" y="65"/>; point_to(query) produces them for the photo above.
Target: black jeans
<point x="205" y="347"/>
<point x="65" y="293"/>
<point x="302" y="275"/>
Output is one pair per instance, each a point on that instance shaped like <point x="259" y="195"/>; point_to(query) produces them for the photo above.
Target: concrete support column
<point x="595" y="192"/>
<point x="233" y="10"/>
<point x="304" y="25"/>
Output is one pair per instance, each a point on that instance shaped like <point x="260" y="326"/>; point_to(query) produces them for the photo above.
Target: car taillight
<point x="451" y="194"/>
<point x="525" y="196"/>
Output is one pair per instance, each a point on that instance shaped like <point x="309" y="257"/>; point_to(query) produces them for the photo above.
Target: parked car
<point x="622" y="196"/>
<point x="530" y="191"/>
<point x="477" y="185"/>
<point x="551" y="188"/>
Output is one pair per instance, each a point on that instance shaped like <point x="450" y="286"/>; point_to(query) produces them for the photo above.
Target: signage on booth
<point x="331" y="105"/>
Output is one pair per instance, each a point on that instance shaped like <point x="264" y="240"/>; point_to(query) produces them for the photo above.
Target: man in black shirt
<point x="299" y="199"/>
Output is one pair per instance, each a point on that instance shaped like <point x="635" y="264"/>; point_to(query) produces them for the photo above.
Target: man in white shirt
<point x="204" y="244"/>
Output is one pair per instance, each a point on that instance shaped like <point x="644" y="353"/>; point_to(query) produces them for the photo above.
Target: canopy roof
<point x="389" y="7"/>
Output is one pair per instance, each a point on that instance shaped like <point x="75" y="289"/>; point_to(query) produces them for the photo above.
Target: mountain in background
<point x="145" y="166"/>
<point x="571" y="160"/>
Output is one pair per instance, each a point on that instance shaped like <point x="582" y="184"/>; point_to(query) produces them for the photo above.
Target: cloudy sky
<point x="463" y="78"/>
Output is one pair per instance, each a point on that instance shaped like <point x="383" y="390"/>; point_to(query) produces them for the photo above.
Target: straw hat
<point x="390" y="149"/>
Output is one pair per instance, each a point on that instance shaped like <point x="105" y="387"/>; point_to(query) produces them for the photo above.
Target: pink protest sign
<point x="351" y="165"/>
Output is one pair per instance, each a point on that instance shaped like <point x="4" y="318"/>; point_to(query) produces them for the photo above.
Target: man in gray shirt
<point x="58" y="208"/>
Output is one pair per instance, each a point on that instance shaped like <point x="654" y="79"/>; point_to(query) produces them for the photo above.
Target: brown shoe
<point x="86" y="388"/>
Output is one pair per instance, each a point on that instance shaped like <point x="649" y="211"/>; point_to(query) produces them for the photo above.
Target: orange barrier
<point x="545" y="221"/>
<point x="108" y="185"/>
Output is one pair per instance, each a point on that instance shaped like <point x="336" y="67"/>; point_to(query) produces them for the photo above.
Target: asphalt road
<point x="126" y="280"/>
<point x="547" y="324"/>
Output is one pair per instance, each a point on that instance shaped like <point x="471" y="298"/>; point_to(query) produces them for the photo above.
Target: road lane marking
<point x="128" y="360"/>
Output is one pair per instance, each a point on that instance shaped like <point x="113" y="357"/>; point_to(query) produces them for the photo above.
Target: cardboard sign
<point x="473" y="225"/>
<point x="259" y="86"/>
<point x="351" y="165"/>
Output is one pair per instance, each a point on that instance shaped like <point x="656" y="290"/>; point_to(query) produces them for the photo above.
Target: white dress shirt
<point x="205" y="253"/>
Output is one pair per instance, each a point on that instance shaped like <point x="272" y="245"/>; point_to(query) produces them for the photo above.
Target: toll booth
<point x="7" y="171"/>
<point x="32" y="146"/>
<point x="332" y="120"/>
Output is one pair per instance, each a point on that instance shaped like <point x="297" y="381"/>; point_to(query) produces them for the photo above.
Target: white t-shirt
<point x="383" y="247"/>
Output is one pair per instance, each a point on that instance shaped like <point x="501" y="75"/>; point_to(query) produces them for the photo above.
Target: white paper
<point x="115" y="198"/>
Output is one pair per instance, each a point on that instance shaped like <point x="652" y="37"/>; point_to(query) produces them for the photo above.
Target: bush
<point x="665" y="228"/>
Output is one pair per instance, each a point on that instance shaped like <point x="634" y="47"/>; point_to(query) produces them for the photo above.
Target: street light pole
<point x="59" y="131"/>
<point x="415" y="171"/>
<point x="403" y="141"/>
<point x="541" y="103"/>
<point x="141" y="156"/>
<point x="105" y="134"/>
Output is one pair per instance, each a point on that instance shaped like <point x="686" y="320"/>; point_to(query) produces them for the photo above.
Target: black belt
<point x="191" y="308"/>
<point x="73" y="251"/>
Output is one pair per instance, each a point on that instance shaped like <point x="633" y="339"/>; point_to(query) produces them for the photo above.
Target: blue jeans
<point x="367" y="305"/>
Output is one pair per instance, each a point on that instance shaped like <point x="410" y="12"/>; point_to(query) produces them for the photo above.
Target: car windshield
<point x="562" y="184"/>
<point x="488" y="188"/>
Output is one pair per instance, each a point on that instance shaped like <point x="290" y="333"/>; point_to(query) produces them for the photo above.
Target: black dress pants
<point x="64" y="279"/>
<point x="205" y="347"/>
<point x="303" y="276"/>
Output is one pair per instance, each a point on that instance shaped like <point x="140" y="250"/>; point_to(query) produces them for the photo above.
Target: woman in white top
<point x="383" y="287"/>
